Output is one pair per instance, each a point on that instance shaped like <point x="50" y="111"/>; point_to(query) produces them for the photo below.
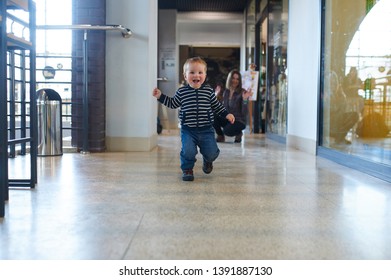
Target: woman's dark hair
<point x="230" y="76"/>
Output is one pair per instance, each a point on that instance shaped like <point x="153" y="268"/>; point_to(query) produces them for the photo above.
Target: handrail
<point x="19" y="140"/>
<point x="126" y="32"/>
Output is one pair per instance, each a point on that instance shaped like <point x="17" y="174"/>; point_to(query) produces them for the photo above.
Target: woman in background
<point x="235" y="100"/>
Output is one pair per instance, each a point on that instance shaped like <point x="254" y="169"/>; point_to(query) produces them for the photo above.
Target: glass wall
<point x="356" y="88"/>
<point x="53" y="59"/>
<point x="267" y="32"/>
<point x="54" y="46"/>
<point x="250" y="58"/>
<point x="262" y="54"/>
<point x="276" y="72"/>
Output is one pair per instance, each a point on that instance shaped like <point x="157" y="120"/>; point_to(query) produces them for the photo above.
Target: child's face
<point x="195" y="74"/>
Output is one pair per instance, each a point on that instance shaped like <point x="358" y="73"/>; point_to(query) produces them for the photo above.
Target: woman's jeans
<point x="223" y="126"/>
<point x="204" y="138"/>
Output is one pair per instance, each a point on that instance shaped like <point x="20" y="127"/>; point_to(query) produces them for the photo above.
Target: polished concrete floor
<point x="262" y="201"/>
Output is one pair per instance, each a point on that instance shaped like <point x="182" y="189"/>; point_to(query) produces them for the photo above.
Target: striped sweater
<point x="196" y="106"/>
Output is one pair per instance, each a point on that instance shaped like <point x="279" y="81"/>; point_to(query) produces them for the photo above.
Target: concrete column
<point x="131" y="73"/>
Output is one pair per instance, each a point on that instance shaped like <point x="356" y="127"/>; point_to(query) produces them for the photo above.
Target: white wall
<point x="209" y="29"/>
<point x="304" y="35"/>
<point x="131" y="72"/>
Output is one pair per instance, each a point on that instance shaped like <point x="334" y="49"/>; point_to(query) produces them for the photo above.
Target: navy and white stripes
<point x="196" y="105"/>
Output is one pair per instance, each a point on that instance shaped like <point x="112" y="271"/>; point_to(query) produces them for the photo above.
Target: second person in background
<point x="235" y="100"/>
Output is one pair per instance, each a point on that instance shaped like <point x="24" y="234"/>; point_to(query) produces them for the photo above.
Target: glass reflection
<point x="357" y="79"/>
<point x="277" y="94"/>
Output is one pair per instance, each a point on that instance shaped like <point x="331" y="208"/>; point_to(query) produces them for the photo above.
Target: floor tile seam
<point x="132" y="238"/>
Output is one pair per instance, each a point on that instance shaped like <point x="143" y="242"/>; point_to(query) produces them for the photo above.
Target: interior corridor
<point x="262" y="201"/>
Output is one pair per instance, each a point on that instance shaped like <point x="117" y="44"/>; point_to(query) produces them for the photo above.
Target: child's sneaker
<point x="187" y="175"/>
<point x="207" y="167"/>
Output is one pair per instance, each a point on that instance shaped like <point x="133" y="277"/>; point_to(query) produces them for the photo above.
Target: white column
<point x="131" y="72"/>
<point x="304" y="34"/>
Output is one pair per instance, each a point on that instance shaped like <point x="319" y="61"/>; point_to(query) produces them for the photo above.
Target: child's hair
<point x="230" y="76"/>
<point x="191" y="60"/>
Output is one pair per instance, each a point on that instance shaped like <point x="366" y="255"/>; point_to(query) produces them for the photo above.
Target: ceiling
<point x="233" y="6"/>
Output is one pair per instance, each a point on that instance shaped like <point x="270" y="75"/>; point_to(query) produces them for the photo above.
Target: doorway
<point x="220" y="61"/>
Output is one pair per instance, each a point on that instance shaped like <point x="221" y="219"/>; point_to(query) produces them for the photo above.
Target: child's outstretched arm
<point x="156" y="93"/>
<point x="230" y="118"/>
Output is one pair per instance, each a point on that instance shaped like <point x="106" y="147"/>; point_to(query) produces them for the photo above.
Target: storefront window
<point x="277" y="76"/>
<point x="356" y="91"/>
<point x="250" y="33"/>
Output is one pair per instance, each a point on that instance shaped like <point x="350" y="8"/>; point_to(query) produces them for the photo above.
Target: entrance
<point x="220" y="60"/>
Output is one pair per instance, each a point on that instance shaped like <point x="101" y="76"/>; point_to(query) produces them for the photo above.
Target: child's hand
<point x="156" y="93"/>
<point x="230" y="118"/>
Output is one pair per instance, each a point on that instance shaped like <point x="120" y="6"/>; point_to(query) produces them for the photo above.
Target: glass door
<point x="275" y="111"/>
<point x="262" y="54"/>
<point x="356" y="91"/>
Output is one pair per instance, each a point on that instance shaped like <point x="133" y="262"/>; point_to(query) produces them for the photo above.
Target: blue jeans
<point x="204" y="138"/>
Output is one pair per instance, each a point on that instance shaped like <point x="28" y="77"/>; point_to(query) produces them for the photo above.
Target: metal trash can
<point x="49" y="123"/>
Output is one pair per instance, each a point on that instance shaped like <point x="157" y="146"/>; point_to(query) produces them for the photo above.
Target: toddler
<point x="198" y="104"/>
